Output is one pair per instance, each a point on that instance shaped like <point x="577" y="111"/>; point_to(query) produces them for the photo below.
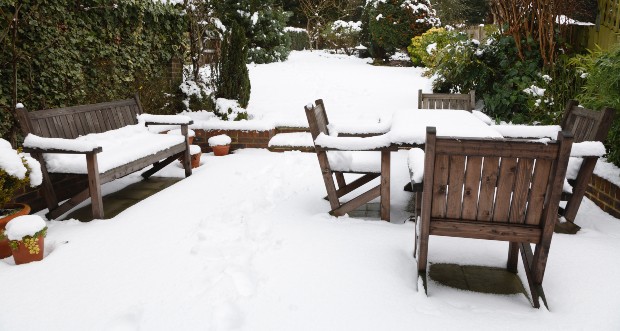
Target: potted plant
<point x="196" y="153"/>
<point x="16" y="171"/>
<point x="220" y="144"/>
<point x="26" y="234"/>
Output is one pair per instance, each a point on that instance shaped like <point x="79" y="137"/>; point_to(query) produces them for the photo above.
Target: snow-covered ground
<point x="246" y="243"/>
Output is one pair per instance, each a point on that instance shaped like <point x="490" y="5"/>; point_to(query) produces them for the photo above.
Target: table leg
<point x="385" y="185"/>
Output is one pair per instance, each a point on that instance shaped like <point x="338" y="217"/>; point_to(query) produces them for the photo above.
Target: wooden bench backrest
<point x="484" y="182"/>
<point x="317" y="118"/>
<point x="72" y="122"/>
<point x="447" y="101"/>
<point x="586" y="124"/>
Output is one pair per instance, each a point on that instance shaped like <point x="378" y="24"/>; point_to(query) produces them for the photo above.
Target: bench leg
<point x="94" y="185"/>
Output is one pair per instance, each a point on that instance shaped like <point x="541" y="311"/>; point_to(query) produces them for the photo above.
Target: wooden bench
<point x="447" y="101"/>
<point x="72" y="122"/>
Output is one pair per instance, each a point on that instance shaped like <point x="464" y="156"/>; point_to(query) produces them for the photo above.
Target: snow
<point x="243" y="125"/>
<point x="588" y="148"/>
<point x="528" y="131"/>
<point x="608" y="171"/>
<point x="353" y="143"/>
<point x="292" y="139"/>
<point x="194" y="149"/>
<point x="164" y="119"/>
<point x="219" y="140"/>
<point x="73" y="145"/>
<point x="354" y="161"/>
<point x="190" y="132"/>
<point x="415" y="161"/>
<point x="246" y="243"/>
<point x="22" y="226"/>
<point x="10" y="161"/>
<point x="120" y="147"/>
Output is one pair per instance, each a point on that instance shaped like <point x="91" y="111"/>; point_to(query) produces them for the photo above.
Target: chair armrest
<point x="375" y="143"/>
<point x="36" y="144"/>
<point x="149" y="119"/>
<point x="528" y="131"/>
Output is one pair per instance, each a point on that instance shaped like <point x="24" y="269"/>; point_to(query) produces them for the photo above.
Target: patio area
<point x="246" y="243"/>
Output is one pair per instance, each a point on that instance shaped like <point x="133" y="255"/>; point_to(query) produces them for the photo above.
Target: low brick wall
<point x="604" y="194"/>
<point x="240" y="139"/>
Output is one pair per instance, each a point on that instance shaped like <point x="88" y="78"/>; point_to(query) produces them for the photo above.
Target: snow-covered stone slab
<point x="292" y="139"/>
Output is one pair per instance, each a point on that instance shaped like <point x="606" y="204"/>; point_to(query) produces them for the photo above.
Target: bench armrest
<point x="36" y="144"/>
<point x="527" y="131"/>
<point x="149" y="119"/>
<point x="375" y="143"/>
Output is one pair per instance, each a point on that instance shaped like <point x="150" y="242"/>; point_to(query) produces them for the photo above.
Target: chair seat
<point x="359" y="162"/>
<point x="120" y="147"/>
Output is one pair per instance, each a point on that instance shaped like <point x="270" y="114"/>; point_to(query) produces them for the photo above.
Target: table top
<point x="409" y="126"/>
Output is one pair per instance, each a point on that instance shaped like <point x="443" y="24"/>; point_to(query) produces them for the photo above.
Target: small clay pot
<point x="5" y="249"/>
<point x="220" y="150"/>
<point x="22" y="255"/>
<point x="196" y="160"/>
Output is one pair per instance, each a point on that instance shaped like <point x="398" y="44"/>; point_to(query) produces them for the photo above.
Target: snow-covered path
<point x="246" y="243"/>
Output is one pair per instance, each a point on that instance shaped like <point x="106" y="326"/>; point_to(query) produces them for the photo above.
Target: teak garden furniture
<point x="72" y="122"/>
<point x="503" y="190"/>
<point x="447" y="101"/>
<point x="335" y="162"/>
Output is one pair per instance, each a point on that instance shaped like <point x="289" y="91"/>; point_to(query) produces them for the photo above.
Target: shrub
<point x="16" y="171"/>
<point x="300" y="40"/>
<point x="424" y="48"/>
<point x="341" y="35"/>
<point x="601" y="70"/>
<point x="233" y="79"/>
<point x="392" y="24"/>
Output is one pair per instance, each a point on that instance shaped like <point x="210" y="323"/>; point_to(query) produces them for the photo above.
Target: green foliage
<point x="31" y="242"/>
<point x="68" y="53"/>
<point x="455" y="12"/>
<point x="419" y="48"/>
<point x="392" y="24"/>
<point x="300" y="39"/>
<point x="601" y="70"/>
<point x="233" y="80"/>
<point x="341" y="35"/>
<point x="10" y="184"/>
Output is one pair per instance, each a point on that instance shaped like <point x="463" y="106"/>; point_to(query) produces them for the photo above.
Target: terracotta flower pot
<point x="196" y="160"/>
<point x="220" y="150"/>
<point x="5" y="249"/>
<point x="29" y="250"/>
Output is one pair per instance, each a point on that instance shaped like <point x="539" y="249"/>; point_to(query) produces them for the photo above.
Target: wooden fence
<point x="606" y="32"/>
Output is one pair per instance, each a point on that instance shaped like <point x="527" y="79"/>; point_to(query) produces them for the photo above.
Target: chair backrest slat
<point x="71" y="122"/>
<point x="447" y="101"/>
<point x="586" y="124"/>
<point x="494" y="181"/>
<point x="317" y="118"/>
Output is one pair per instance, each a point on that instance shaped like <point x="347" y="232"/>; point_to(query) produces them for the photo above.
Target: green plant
<point x="233" y="79"/>
<point x="424" y="48"/>
<point x="31" y="242"/>
<point x="601" y="71"/>
<point x="341" y="35"/>
<point x="392" y="24"/>
<point x="299" y="37"/>
<point x="17" y="170"/>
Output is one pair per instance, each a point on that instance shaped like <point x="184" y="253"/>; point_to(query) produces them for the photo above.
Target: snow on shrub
<point x="16" y="171"/>
<point x="342" y="35"/>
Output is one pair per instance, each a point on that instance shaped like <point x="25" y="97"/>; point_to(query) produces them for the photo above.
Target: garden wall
<point x="604" y="194"/>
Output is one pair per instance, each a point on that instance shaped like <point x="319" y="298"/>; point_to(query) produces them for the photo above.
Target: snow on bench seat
<point x="120" y="147"/>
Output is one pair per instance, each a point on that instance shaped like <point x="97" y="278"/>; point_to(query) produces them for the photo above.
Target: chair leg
<point x="579" y="189"/>
<point x="340" y="180"/>
<point x="513" y="257"/>
<point x="536" y="289"/>
<point x="385" y="185"/>
<point x="422" y="250"/>
<point x="94" y="185"/>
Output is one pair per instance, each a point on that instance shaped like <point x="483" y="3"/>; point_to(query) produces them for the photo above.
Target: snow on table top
<point x="409" y="126"/>
<point x="528" y="131"/>
<point x="166" y="119"/>
<point x="120" y="147"/>
<point x="353" y="143"/>
<point x="22" y="226"/>
<point x="292" y="139"/>
<point x="359" y="127"/>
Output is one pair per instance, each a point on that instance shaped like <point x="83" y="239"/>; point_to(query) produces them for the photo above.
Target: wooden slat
<point x="357" y="201"/>
<point x="538" y="191"/>
<point x="440" y="183"/>
<point x="102" y="121"/>
<point x="485" y="230"/>
<point x="498" y="148"/>
<point x="51" y="126"/>
<point x="139" y="164"/>
<point x="505" y="184"/>
<point x="455" y="186"/>
<point x="38" y="130"/>
<point x="78" y="109"/>
<point x="521" y="191"/>
<point x="490" y="171"/>
<point x="66" y="127"/>
<point x="80" y="125"/>
<point x="471" y="187"/>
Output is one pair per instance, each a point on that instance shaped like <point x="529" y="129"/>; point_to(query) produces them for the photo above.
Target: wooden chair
<point x="447" y="101"/>
<point x="504" y="190"/>
<point x="586" y="125"/>
<point x="318" y="122"/>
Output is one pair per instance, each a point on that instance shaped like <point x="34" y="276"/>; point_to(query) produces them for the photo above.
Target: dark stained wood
<point x="71" y="122"/>
<point x="586" y="125"/>
<point x="471" y="187"/>
<point x="318" y="123"/>
<point x="447" y="101"/>
<point x="519" y="194"/>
